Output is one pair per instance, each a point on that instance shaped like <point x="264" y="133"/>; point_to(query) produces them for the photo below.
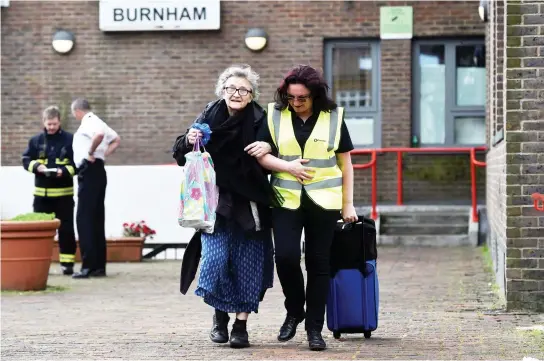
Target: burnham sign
<point x="144" y="15"/>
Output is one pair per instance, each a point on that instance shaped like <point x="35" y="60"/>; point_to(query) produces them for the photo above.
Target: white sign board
<point x="145" y="15"/>
<point x="4" y="3"/>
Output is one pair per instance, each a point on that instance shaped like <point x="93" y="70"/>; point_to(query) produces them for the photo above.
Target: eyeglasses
<point x="241" y="91"/>
<point x="301" y="99"/>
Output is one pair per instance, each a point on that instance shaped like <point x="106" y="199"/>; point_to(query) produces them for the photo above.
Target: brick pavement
<point x="435" y="304"/>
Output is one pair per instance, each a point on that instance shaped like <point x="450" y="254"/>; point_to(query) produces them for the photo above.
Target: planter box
<point x="122" y="249"/>
<point x="26" y="253"/>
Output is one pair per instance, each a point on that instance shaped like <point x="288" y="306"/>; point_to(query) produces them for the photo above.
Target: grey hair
<point x="242" y="71"/>
<point x="81" y="104"/>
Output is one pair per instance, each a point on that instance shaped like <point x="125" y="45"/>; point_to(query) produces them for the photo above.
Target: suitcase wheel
<point x="367" y="334"/>
<point x="336" y="335"/>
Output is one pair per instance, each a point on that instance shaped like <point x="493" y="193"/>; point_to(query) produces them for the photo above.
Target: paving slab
<point x="436" y="304"/>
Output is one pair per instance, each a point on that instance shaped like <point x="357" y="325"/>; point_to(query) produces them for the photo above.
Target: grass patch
<point x="49" y="289"/>
<point x="488" y="267"/>
<point x="533" y="336"/>
<point x="488" y="261"/>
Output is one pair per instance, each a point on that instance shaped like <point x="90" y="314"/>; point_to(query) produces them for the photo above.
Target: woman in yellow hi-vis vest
<point x="311" y="168"/>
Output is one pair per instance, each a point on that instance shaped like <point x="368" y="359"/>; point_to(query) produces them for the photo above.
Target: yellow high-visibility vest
<point x="325" y="189"/>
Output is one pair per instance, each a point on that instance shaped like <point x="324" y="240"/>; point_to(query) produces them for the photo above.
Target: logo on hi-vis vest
<point x="319" y="140"/>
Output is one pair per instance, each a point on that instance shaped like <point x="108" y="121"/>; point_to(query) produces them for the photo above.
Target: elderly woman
<point x="314" y="175"/>
<point x="237" y="258"/>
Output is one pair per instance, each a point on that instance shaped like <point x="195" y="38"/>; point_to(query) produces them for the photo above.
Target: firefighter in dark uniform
<point x="50" y="157"/>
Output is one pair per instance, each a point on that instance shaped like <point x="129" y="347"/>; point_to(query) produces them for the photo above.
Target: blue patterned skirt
<point x="234" y="270"/>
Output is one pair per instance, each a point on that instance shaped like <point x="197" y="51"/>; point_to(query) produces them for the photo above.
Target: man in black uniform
<point x="50" y="157"/>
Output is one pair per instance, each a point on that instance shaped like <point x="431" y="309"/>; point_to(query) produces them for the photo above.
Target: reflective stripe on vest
<point x="325" y="188"/>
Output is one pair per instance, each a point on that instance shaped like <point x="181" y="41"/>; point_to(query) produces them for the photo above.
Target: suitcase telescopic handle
<point x="360" y="219"/>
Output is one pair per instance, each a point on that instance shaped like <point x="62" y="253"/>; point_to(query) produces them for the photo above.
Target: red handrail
<point x="373" y="164"/>
<point x="537" y="197"/>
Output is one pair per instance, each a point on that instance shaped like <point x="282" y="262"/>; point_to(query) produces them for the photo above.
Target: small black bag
<point x="353" y="245"/>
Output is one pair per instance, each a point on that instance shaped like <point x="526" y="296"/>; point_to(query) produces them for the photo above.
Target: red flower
<point x="138" y="229"/>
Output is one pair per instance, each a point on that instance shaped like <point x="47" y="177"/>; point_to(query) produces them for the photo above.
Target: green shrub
<point x="34" y="217"/>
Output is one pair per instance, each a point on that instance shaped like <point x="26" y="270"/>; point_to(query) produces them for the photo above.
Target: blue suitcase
<point x="353" y="300"/>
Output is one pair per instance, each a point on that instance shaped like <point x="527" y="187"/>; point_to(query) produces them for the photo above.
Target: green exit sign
<point x="396" y="22"/>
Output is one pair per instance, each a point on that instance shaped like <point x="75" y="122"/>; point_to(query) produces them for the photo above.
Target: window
<point x="352" y="72"/>
<point x="449" y="81"/>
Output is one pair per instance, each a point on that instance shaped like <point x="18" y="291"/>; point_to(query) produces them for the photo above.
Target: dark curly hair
<point x="311" y="79"/>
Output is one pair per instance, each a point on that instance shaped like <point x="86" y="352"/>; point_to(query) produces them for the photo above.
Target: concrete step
<point x="425" y="240"/>
<point x="425" y="218"/>
<point x="422" y="229"/>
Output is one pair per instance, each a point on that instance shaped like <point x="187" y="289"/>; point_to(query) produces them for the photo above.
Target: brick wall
<point x="521" y="157"/>
<point x="149" y="86"/>
<point x="496" y="156"/>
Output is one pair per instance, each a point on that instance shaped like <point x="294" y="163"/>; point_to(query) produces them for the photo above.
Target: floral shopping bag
<point x="199" y="193"/>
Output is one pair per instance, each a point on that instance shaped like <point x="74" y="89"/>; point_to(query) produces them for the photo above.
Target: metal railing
<point x="373" y="165"/>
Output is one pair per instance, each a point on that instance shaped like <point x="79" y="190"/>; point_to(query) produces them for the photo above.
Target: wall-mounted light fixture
<point x="63" y="41"/>
<point x="256" y="39"/>
<point x="483" y="10"/>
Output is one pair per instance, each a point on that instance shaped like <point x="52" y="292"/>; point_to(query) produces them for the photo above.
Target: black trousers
<point x="63" y="207"/>
<point x="90" y="216"/>
<point x="319" y="225"/>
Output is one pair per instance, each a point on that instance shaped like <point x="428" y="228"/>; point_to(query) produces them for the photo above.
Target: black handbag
<point x="353" y="245"/>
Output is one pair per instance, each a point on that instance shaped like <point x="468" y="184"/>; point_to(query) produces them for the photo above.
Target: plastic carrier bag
<point x="199" y="193"/>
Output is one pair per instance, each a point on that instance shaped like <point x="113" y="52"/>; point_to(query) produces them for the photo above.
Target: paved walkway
<point x="435" y="304"/>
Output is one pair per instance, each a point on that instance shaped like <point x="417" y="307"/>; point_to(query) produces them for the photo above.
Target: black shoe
<point x="220" y="332"/>
<point x="289" y="328"/>
<point x="315" y="341"/>
<point x="84" y="273"/>
<point x="238" y="336"/>
<point x="98" y="273"/>
<point x="67" y="270"/>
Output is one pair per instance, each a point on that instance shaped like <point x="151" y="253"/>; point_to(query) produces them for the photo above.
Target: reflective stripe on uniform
<point x="64" y="161"/>
<point x="332" y="130"/>
<point x="31" y="165"/>
<point x="289" y="184"/>
<point x="276" y="119"/>
<point x="70" y="169"/>
<point x="285" y="183"/>
<point x="67" y="258"/>
<point x="53" y="192"/>
<point x="312" y="163"/>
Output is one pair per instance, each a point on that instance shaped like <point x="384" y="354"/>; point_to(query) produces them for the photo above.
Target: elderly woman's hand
<point x="258" y="149"/>
<point x="193" y="135"/>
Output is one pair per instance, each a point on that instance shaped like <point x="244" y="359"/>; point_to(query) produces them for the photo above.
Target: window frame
<point x="373" y="111"/>
<point x="451" y="108"/>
